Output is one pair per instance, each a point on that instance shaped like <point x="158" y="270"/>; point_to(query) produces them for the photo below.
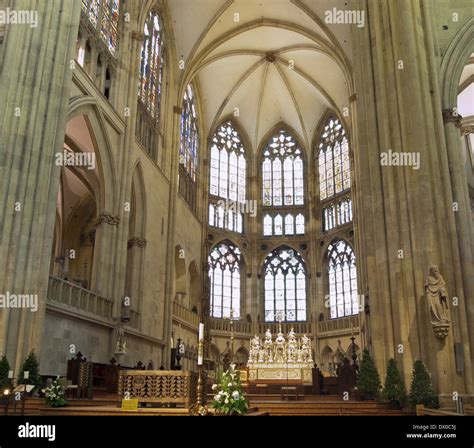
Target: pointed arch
<point x="342" y="279"/>
<point x="88" y="109"/>
<point x="225" y="280"/>
<point x="285" y="286"/>
<point x="227" y="178"/>
<point x="454" y="60"/>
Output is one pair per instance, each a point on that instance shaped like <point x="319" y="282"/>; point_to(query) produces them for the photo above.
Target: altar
<point x="281" y="361"/>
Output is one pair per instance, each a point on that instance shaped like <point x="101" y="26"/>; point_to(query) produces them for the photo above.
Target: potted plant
<point x="421" y="390"/>
<point x="54" y="395"/>
<point x="394" y="389"/>
<point x="229" y="397"/>
<point x="31" y="365"/>
<point x="5" y="382"/>
<point x="369" y="381"/>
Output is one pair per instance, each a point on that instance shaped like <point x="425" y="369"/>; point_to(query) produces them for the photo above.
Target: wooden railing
<point x="155" y="386"/>
<point x="338" y="325"/>
<point x="73" y="296"/>
<point x="184" y="314"/>
<point x="224" y="326"/>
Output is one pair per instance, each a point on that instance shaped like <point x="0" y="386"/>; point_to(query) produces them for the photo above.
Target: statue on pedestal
<point x="254" y="350"/>
<point x="280" y="348"/>
<point x="292" y="347"/>
<point x="437" y="295"/>
<point x="268" y="346"/>
<point x="306" y="353"/>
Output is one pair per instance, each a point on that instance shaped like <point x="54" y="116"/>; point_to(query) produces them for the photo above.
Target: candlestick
<point x="201" y="345"/>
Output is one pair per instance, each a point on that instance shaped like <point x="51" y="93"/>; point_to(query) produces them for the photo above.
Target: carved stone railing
<point x="185" y="315"/>
<point x="155" y="386"/>
<point x="298" y="327"/>
<point x="344" y="324"/>
<point x="223" y="325"/>
<point x="75" y="297"/>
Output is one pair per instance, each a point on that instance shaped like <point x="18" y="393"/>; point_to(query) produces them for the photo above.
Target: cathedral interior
<point x="239" y="168"/>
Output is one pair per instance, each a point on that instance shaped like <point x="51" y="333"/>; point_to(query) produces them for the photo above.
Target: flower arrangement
<point x="229" y="397"/>
<point x="54" y="395"/>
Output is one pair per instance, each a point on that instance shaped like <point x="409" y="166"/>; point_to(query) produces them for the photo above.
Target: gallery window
<point x="224" y="275"/>
<point x="342" y="280"/>
<point x="285" y="286"/>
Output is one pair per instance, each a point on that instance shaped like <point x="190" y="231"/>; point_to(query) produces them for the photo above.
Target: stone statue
<point x="437" y="295"/>
<point x="280" y="348"/>
<point x="306" y="355"/>
<point x="268" y="346"/>
<point x="292" y="347"/>
<point x="254" y="350"/>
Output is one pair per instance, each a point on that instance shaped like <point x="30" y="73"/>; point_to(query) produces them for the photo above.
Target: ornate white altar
<point x="280" y="359"/>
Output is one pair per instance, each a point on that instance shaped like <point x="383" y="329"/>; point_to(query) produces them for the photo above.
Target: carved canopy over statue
<point x="280" y="351"/>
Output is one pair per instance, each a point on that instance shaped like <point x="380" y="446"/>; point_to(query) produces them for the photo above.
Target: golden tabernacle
<point x="281" y="360"/>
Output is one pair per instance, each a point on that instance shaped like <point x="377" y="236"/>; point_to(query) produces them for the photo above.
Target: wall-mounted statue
<point x="437" y="295"/>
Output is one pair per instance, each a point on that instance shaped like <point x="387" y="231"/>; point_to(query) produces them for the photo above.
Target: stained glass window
<point x="285" y="286"/>
<point x="334" y="163"/>
<point x="228" y="178"/>
<point x="224" y="274"/>
<point x="342" y="280"/>
<point x="151" y="66"/>
<point x="283" y="185"/>
<point x="104" y="16"/>
<point x="282" y="169"/>
<point x="189" y="134"/>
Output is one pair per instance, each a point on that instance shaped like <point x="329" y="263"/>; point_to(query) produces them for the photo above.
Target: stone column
<point x="35" y="82"/>
<point x="402" y="212"/>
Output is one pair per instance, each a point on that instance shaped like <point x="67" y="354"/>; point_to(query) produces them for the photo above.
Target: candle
<point x="10" y="375"/>
<point x="26" y="375"/>
<point x="201" y="345"/>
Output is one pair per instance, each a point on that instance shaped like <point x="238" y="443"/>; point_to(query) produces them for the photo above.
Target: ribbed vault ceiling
<point x="279" y="63"/>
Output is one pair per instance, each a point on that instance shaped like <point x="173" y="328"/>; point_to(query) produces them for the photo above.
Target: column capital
<point x="137" y="242"/>
<point x="107" y="218"/>
<point x="452" y="116"/>
<point x="467" y="129"/>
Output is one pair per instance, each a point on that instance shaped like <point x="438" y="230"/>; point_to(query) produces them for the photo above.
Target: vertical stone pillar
<point x="403" y="213"/>
<point x="35" y="82"/>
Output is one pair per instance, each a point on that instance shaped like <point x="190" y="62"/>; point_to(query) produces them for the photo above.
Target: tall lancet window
<point x="333" y="160"/>
<point x="189" y="148"/>
<point x="285" y="286"/>
<point x="227" y="179"/>
<point x="224" y="274"/>
<point x="342" y="280"/>
<point x="104" y="16"/>
<point x="283" y="193"/>
<point x="151" y="66"/>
